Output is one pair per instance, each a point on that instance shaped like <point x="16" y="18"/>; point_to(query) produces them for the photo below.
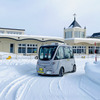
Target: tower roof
<point x="74" y="23"/>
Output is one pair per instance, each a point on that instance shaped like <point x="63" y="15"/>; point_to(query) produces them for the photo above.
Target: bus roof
<point x="57" y="44"/>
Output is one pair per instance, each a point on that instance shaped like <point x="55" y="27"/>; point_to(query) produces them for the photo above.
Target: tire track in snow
<point x="22" y="91"/>
<point x="39" y="90"/>
<point x="12" y="85"/>
<point x="12" y="91"/>
<point x="55" y="89"/>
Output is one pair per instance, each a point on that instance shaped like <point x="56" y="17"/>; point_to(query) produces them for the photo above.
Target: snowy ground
<point x="19" y="81"/>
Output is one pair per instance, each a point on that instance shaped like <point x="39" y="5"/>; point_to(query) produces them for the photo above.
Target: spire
<point x="74" y="23"/>
<point x="74" y="16"/>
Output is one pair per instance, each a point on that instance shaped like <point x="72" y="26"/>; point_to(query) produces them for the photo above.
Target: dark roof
<point x="12" y="29"/>
<point x="74" y="24"/>
<point x="96" y="35"/>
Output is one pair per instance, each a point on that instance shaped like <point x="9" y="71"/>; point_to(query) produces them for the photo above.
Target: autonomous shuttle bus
<point x="55" y="59"/>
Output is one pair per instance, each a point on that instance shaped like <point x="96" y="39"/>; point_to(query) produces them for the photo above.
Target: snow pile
<point x="5" y="55"/>
<point x="92" y="71"/>
<point x="90" y="82"/>
<point x="20" y="81"/>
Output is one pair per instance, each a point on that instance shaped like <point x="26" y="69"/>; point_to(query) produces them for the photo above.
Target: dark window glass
<point x="78" y="50"/>
<point x="30" y="44"/>
<point x="23" y="50"/>
<point x="66" y="52"/>
<point x="59" y="54"/>
<point x="34" y="50"/>
<point x="11" y="48"/>
<point x="19" y="44"/>
<point x="47" y="52"/>
<point x="19" y="50"/>
<point x="23" y="44"/>
<point x="27" y="44"/>
<point x="29" y="50"/>
<point x="71" y="53"/>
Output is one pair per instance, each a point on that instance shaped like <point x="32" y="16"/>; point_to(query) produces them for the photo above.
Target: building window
<point x="79" y="49"/>
<point x="77" y="34"/>
<point x="82" y="34"/>
<point x="97" y="50"/>
<point x="31" y="50"/>
<point x="11" y="48"/>
<point x="68" y="34"/>
<point x="2" y="32"/>
<point x="13" y="32"/>
<point x="19" y="50"/>
<point x="24" y="45"/>
<point x="22" y="48"/>
<point x="91" y="49"/>
<point x="27" y="48"/>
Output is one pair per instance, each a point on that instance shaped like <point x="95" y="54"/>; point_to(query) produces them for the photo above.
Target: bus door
<point x="68" y="66"/>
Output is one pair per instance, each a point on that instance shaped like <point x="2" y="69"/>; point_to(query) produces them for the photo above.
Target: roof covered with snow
<point x="83" y="40"/>
<point x="96" y="35"/>
<point x="12" y="29"/>
<point x="30" y="37"/>
<point x="74" y="24"/>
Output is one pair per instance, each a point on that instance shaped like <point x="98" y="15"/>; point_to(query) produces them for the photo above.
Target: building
<point x="18" y="43"/>
<point x="12" y="31"/>
<point x="15" y="41"/>
<point x="75" y="36"/>
<point x="74" y="30"/>
<point x="95" y="35"/>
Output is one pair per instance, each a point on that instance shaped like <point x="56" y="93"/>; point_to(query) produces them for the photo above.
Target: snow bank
<point x="92" y="71"/>
<point x="4" y="55"/>
<point x="20" y="81"/>
<point x="90" y="82"/>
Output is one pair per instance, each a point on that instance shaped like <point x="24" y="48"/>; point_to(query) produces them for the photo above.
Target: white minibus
<point x="55" y="59"/>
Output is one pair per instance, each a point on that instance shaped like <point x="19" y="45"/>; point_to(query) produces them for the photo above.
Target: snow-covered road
<point x="19" y="81"/>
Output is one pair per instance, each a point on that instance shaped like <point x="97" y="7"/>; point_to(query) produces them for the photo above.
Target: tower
<point x="74" y="30"/>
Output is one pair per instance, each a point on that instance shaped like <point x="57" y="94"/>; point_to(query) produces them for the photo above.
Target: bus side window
<point x="59" y="54"/>
<point x="66" y="52"/>
<point x="71" y="53"/>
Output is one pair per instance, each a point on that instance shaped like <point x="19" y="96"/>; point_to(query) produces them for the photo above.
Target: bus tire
<point x="61" y="72"/>
<point x="74" y="68"/>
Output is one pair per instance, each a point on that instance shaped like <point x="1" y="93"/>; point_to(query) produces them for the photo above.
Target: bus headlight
<point x="48" y="72"/>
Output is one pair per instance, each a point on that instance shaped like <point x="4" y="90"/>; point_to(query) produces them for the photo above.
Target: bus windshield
<point x="47" y="52"/>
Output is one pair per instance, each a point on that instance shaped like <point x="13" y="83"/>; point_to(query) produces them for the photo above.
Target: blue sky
<point x="49" y="17"/>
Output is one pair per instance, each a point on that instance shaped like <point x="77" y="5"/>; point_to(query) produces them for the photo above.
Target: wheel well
<point x="74" y="65"/>
<point x="63" y="68"/>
